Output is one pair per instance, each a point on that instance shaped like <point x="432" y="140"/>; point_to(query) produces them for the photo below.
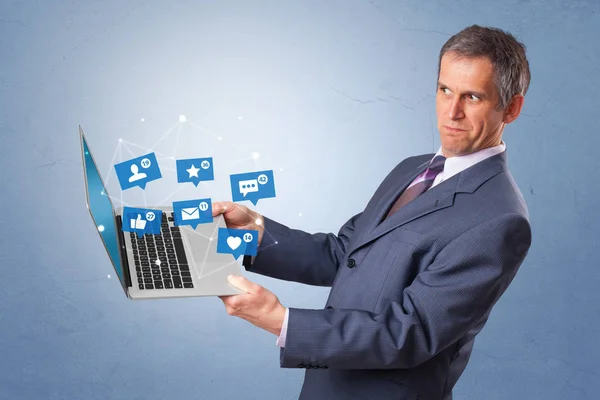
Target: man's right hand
<point x="239" y="217"/>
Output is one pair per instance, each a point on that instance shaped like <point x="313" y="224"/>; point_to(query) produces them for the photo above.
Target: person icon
<point x="136" y="174"/>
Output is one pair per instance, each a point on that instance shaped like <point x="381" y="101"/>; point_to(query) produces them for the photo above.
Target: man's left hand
<point x="258" y="305"/>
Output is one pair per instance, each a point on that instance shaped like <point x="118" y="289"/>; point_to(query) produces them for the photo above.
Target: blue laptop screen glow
<point x="102" y="210"/>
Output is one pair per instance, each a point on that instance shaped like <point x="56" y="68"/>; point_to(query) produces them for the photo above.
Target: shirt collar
<point x="454" y="165"/>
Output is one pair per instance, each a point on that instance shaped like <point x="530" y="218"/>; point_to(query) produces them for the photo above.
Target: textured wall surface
<point x="331" y="95"/>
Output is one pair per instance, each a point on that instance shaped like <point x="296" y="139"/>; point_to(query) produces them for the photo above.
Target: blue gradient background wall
<point x="331" y="95"/>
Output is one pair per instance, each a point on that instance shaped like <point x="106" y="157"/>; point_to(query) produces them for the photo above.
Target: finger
<point x="243" y="284"/>
<point x="217" y="208"/>
<point x="221" y="207"/>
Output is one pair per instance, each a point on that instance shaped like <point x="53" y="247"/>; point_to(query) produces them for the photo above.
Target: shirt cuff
<point x="281" y="339"/>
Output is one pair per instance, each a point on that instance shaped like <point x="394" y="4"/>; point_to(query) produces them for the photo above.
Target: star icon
<point x="193" y="171"/>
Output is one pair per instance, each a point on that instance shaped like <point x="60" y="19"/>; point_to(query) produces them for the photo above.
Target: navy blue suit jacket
<point x="409" y="294"/>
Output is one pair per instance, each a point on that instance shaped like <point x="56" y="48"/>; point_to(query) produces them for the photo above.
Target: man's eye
<point x="445" y="90"/>
<point x="473" y="97"/>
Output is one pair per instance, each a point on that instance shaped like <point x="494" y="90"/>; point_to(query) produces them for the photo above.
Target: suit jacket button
<point x="351" y="263"/>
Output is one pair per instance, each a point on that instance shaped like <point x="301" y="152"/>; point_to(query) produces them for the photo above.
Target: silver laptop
<point x="178" y="262"/>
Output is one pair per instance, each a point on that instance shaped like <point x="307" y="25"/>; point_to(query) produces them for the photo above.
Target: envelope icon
<point x="190" y="213"/>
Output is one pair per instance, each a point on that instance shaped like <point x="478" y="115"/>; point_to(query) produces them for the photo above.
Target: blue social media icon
<point x="141" y="220"/>
<point x="195" y="170"/>
<point x="252" y="186"/>
<point x="192" y="212"/>
<point x="237" y="242"/>
<point x="138" y="171"/>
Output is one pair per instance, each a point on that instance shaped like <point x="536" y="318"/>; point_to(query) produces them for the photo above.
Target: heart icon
<point x="234" y="242"/>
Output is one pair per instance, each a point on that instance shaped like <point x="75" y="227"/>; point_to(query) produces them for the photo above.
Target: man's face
<point x="466" y="106"/>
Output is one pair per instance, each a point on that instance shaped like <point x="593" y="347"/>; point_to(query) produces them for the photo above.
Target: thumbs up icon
<point x="138" y="223"/>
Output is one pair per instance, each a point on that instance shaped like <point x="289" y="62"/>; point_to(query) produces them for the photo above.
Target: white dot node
<point x="182" y="118"/>
<point x="255" y="155"/>
<point x="299" y="214"/>
<point x="108" y="276"/>
<point x="142" y="119"/>
<point x="101" y="228"/>
<point x="258" y="221"/>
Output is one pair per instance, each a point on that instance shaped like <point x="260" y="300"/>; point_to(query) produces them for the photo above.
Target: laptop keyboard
<point x="173" y="271"/>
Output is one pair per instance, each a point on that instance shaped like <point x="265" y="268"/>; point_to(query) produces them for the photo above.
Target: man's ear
<point x="513" y="110"/>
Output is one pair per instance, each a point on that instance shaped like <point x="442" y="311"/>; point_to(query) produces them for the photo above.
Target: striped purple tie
<point x="435" y="167"/>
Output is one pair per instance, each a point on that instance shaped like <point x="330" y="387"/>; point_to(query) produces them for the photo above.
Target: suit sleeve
<point x="295" y="255"/>
<point x="445" y="301"/>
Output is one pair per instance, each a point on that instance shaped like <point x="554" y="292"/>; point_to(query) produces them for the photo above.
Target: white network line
<point x="162" y="157"/>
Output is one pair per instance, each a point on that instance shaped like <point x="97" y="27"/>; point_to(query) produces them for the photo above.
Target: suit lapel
<point x="439" y="197"/>
<point x="380" y="204"/>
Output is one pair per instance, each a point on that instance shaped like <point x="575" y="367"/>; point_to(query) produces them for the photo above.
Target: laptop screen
<point x="101" y="209"/>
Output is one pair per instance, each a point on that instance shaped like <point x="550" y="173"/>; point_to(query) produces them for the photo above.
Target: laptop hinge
<point x="124" y="261"/>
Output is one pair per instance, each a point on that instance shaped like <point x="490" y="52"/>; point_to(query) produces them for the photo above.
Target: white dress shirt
<point x="452" y="166"/>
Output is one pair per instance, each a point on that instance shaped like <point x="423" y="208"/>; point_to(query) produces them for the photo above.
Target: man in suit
<point x="415" y="275"/>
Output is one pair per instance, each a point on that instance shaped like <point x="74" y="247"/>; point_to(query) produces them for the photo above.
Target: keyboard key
<point x="179" y="249"/>
<point x="138" y="268"/>
<point x="165" y="270"/>
<point x="166" y="276"/>
<point x="147" y="275"/>
<point x="184" y="267"/>
<point x="145" y="263"/>
<point x="139" y="274"/>
<point x="149" y="286"/>
<point x="141" y="286"/>
<point x="188" y="285"/>
<point x="185" y="273"/>
<point x="140" y="280"/>
<point x="157" y="278"/>
<point x="168" y="284"/>
<point x="186" y="278"/>
<point x="175" y="272"/>
<point x="177" y="282"/>
<point x="158" y="285"/>
<point x="148" y="280"/>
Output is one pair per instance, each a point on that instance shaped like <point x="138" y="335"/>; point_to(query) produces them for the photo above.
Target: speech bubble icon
<point x="249" y="186"/>
<point x="195" y="170"/>
<point x="141" y="221"/>
<point x="252" y="186"/>
<point x="235" y="242"/>
<point x="192" y="212"/>
<point x="138" y="171"/>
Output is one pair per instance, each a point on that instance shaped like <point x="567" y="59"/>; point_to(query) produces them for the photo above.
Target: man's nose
<point x="456" y="109"/>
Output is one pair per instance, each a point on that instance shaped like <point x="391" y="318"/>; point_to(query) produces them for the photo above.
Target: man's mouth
<point x="450" y="129"/>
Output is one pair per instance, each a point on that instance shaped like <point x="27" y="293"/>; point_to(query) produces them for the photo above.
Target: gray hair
<point x="507" y="55"/>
